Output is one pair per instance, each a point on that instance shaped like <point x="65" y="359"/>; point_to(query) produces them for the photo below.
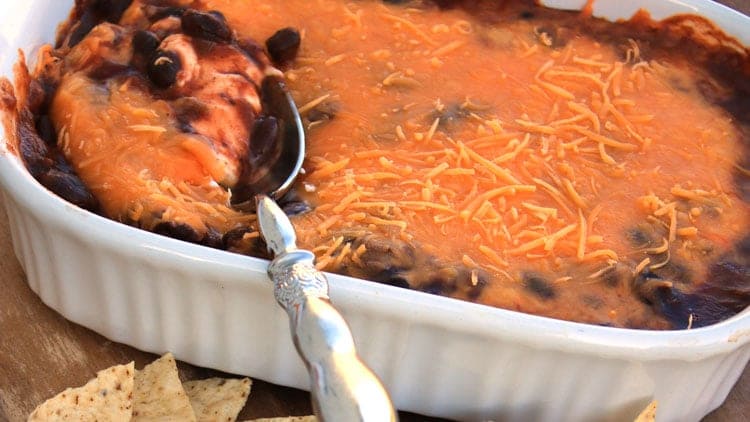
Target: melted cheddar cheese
<point x="493" y="147"/>
<point x="518" y="157"/>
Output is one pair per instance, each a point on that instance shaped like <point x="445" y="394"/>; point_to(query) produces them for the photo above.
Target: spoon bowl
<point x="277" y="148"/>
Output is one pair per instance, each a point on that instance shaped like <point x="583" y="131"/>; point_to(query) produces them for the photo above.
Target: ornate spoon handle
<point x="343" y="388"/>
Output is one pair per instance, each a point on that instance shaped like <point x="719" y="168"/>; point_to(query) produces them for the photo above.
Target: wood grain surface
<point x="41" y="353"/>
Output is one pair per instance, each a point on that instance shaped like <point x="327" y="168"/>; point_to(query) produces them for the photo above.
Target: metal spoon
<point x="343" y="388"/>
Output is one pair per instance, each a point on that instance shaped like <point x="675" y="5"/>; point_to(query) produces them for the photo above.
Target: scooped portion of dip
<point x="156" y="114"/>
<point x="498" y="152"/>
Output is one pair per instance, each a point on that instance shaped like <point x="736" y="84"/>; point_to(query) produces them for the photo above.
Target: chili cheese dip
<point x="499" y="152"/>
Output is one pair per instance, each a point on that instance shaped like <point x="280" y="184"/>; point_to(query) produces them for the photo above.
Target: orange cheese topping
<point x="485" y="142"/>
<point x="531" y="163"/>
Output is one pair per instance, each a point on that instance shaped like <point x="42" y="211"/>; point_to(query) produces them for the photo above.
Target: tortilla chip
<point x="310" y="418"/>
<point x="108" y="397"/>
<point x="217" y="399"/>
<point x="648" y="414"/>
<point x="158" y="393"/>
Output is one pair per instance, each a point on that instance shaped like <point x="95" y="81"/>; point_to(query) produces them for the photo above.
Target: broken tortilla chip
<point x="158" y="393"/>
<point x="310" y="418"/>
<point x="217" y="399"/>
<point x="648" y="414"/>
<point x="108" y="397"/>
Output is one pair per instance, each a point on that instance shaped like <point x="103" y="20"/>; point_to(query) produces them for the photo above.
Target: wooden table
<point x="41" y="353"/>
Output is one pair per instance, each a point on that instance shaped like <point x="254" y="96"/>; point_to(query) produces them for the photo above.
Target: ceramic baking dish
<point x="437" y="356"/>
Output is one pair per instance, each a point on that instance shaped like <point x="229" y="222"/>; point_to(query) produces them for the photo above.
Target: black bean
<point x="539" y="286"/>
<point x="446" y="4"/>
<point x="213" y="239"/>
<point x="185" y="127"/>
<point x="390" y="275"/>
<point x="439" y="286"/>
<point x="400" y="253"/>
<point x="106" y="70"/>
<point x="443" y="282"/>
<point x="675" y="272"/>
<point x="648" y="275"/>
<point x="680" y="308"/>
<point x="246" y="112"/>
<point x="638" y="237"/>
<point x="296" y="208"/>
<point x="264" y="150"/>
<point x="234" y="240"/>
<point x="46" y="129"/>
<point x="451" y="275"/>
<point x="111" y="10"/>
<point x="553" y="37"/>
<point x="163" y="69"/>
<point x="86" y="23"/>
<point x="323" y="112"/>
<point x="264" y="138"/>
<point x="527" y="14"/>
<point x="293" y="204"/>
<point x="235" y="235"/>
<point x="49" y="87"/>
<point x="69" y="187"/>
<point x="450" y="115"/>
<point x="36" y="100"/>
<point x="210" y="26"/>
<point x="40" y="93"/>
<point x="642" y="285"/>
<point x="385" y="259"/>
<point x="468" y="280"/>
<point x="738" y="105"/>
<point x="616" y="275"/>
<point x="729" y="280"/>
<point x="397" y="282"/>
<point x="34" y="151"/>
<point x="177" y="230"/>
<point x="611" y="278"/>
<point x="145" y="43"/>
<point x="61" y="163"/>
<point x="156" y="13"/>
<point x="593" y="302"/>
<point x="283" y="45"/>
<point x="88" y="14"/>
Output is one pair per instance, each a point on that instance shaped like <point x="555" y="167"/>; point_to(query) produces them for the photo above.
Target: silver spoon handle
<point x="343" y="388"/>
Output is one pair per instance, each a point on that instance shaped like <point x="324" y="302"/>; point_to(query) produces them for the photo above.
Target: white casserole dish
<point x="437" y="356"/>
